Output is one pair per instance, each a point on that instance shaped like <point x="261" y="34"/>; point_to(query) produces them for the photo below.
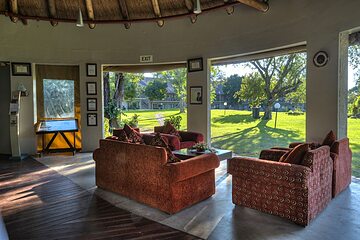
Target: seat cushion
<point x="187" y="144"/>
<point x="133" y="135"/>
<point x="329" y="139"/>
<point x="296" y="155"/>
<point x="159" y="141"/>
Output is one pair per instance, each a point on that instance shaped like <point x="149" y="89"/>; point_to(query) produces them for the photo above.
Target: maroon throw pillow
<point x="158" y="141"/>
<point x="121" y="135"/>
<point x="283" y="157"/>
<point x="296" y="155"/>
<point x="329" y="139"/>
<point x="170" y="129"/>
<point x="133" y="135"/>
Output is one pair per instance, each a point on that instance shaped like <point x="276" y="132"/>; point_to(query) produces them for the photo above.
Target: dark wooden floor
<point x="38" y="203"/>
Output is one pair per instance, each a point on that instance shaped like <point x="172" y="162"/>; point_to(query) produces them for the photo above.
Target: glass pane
<point x="59" y="98"/>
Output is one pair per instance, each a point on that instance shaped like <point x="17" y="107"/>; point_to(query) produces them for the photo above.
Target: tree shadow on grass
<point x="250" y="141"/>
<point x="234" y="118"/>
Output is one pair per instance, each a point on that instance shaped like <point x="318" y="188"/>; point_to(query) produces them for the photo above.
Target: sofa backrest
<point x="341" y="147"/>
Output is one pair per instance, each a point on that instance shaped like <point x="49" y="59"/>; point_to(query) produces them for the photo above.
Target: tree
<point x="252" y="90"/>
<point x="216" y="77"/>
<point x="132" y="87"/>
<point x="281" y="75"/>
<point x="156" y="90"/>
<point x="298" y="96"/>
<point x="231" y="85"/>
<point x="177" y="78"/>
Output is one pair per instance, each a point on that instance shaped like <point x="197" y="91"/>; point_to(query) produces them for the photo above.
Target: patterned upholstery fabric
<point x="141" y="172"/>
<point x="341" y="155"/>
<point x="291" y="191"/>
<point x="158" y="140"/>
<point x="133" y="135"/>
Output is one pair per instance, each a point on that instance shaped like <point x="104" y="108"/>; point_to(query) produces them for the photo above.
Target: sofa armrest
<point x="192" y="167"/>
<point x="270" y="172"/>
<point x="191" y="136"/>
<point x="272" y="154"/>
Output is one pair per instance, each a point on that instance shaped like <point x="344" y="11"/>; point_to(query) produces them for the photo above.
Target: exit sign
<point x="146" y="59"/>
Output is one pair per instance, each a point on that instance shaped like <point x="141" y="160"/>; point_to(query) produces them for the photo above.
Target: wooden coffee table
<point x="188" y="152"/>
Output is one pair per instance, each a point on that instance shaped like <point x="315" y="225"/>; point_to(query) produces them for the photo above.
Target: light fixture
<point x="197" y="8"/>
<point x="80" y="21"/>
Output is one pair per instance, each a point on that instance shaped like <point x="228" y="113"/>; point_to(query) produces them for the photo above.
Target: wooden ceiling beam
<point x="90" y="13"/>
<point x="157" y="12"/>
<point x="261" y="6"/>
<point x="52" y="12"/>
<point x="190" y="7"/>
<point x="13" y="4"/>
<point x="124" y="13"/>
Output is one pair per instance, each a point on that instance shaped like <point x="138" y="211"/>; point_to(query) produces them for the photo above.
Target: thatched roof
<point x="114" y="11"/>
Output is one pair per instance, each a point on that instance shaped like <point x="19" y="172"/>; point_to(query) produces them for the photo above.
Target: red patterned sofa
<point x="296" y="192"/>
<point x="188" y="139"/>
<point x="141" y="172"/>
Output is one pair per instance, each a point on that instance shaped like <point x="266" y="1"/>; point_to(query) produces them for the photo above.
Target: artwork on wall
<point x="91" y="88"/>
<point x="92" y="119"/>
<point x="195" y="65"/>
<point x="21" y="69"/>
<point x="92" y="104"/>
<point x="91" y="69"/>
<point x="196" y="95"/>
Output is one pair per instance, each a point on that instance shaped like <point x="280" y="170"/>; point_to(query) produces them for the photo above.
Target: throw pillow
<point x="283" y="157"/>
<point x="158" y="141"/>
<point x="296" y="155"/>
<point x="329" y="139"/>
<point x="132" y="135"/>
<point x="121" y="135"/>
<point x="170" y="129"/>
<point x="112" y="138"/>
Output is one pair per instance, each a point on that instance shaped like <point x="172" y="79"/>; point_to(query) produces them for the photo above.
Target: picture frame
<point x="91" y="69"/>
<point x="92" y="119"/>
<point x="91" y="104"/>
<point x="196" y="95"/>
<point x="21" y="69"/>
<point x="195" y="65"/>
<point x="91" y="88"/>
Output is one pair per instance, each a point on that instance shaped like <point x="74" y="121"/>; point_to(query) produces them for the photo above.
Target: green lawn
<point x="238" y="131"/>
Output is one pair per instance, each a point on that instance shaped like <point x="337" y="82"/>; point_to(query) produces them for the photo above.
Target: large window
<point x="59" y="98"/>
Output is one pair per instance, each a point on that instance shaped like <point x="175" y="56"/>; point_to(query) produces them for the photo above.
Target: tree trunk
<point x="106" y="92"/>
<point x="119" y="89"/>
<point x="268" y="111"/>
<point x="182" y="104"/>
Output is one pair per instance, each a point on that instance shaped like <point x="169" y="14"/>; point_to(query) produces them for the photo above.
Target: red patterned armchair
<point x="296" y="192"/>
<point x="341" y="155"/>
<point x="188" y="139"/>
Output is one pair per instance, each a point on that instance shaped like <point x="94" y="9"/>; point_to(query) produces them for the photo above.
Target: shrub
<point x="175" y="121"/>
<point x="295" y="113"/>
<point x="134" y="121"/>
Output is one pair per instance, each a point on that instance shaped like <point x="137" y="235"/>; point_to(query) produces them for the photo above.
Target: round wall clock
<point x="321" y="59"/>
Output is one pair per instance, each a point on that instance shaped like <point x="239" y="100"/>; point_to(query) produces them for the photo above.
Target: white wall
<point x="214" y="35"/>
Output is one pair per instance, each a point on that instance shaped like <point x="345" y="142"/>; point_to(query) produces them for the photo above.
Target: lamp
<point x="80" y="21"/>
<point x="276" y="106"/>
<point x="225" y="104"/>
<point x="197" y="8"/>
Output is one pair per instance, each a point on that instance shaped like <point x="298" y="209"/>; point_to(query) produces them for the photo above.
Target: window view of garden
<point x="254" y="105"/>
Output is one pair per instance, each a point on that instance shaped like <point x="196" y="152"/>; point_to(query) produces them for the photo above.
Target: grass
<point x="238" y="131"/>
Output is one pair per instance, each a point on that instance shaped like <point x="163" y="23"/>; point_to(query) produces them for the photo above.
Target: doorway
<point x="5" y="95"/>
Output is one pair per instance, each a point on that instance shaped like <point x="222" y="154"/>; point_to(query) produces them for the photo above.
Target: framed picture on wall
<point x="91" y="88"/>
<point x="195" y="65"/>
<point x="21" y="69"/>
<point x="196" y="95"/>
<point x="91" y="69"/>
<point x="92" y="119"/>
<point x="91" y="104"/>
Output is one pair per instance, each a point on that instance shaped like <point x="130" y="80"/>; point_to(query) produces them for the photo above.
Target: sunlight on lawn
<point x="238" y="131"/>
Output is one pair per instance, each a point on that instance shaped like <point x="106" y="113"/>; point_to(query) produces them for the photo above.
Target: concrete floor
<point x="217" y="217"/>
